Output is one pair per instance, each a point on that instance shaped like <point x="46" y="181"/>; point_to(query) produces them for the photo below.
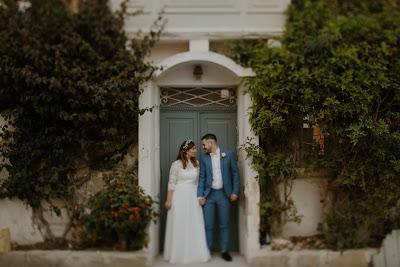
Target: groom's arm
<point x="235" y="174"/>
<point x="202" y="174"/>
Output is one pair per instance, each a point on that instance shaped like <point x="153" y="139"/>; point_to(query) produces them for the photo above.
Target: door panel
<point x="177" y="126"/>
<point x="223" y="125"/>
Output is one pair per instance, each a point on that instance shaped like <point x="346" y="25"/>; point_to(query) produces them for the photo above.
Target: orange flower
<point x="133" y="209"/>
<point x="132" y="218"/>
<point x="114" y="213"/>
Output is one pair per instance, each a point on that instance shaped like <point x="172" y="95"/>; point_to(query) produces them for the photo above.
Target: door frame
<point x="149" y="146"/>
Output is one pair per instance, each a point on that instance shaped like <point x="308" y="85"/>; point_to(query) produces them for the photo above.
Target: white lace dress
<point x="185" y="239"/>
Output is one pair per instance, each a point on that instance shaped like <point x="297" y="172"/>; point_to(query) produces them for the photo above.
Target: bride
<point x="185" y="239"/>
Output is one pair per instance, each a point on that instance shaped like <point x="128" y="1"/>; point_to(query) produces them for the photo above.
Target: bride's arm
<point x="168" y="202"/>
<point x="173" y="173"/>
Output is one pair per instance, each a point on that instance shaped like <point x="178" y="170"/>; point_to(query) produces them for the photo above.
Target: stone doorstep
<point x="313" y="258"/>
<point x="263" y="258"/>
<point x="69" y="258"/>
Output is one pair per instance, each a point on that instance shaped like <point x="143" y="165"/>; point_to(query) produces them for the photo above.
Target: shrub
<point x="118" y="216"/>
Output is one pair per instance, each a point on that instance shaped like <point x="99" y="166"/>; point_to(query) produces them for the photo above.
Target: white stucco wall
<point x="311" y="201"/>
<point x="163" y="50"/>
<point x="17" y="216"/>
<point x="210" y="19"/>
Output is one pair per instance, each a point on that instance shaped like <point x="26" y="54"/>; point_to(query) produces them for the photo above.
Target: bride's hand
<point x="167" y="205"/>
<point x="202" y="201"/>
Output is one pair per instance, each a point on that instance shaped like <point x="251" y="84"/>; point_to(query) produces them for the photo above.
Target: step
<point x="215" y="261"/>
<point x="313" y="258"/>
<point x="69" y="258"/>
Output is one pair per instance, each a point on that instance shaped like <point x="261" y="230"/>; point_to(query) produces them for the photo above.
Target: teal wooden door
<point x="177" y="126"/>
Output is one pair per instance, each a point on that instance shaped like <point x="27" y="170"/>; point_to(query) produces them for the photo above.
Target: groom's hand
<point x="202" y="201"/>
<point x="233" y="197"/>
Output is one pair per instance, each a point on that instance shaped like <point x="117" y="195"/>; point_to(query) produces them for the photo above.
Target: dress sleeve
<point x="173" y="176"/>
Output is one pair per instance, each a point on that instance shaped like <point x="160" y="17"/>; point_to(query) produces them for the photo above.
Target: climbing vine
<point x="336" y="73"/>
<point x="69" y="93"/>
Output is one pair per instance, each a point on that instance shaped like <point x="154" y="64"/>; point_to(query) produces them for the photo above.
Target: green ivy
<point x="69" y="93"/>
<point x="337" y="68"/>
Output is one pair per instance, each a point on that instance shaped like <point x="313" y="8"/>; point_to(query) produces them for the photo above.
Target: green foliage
<point x="338" y="69"/>
<point x="118" y="215"/>
<point x="69" y="93"/>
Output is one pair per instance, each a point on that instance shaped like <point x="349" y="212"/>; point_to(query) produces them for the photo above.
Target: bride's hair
<point x="183" y="149"/>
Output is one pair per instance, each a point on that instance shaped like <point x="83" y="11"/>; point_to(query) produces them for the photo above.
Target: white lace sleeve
<point x="173" y="176"/>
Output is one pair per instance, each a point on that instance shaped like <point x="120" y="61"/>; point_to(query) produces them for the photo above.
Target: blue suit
<point x="218" y="199"/>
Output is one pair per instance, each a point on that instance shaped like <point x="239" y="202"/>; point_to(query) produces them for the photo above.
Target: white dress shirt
<point x="216" y="167"/>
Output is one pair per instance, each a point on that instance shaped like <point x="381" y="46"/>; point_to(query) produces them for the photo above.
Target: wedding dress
<point x="185" y="239"/>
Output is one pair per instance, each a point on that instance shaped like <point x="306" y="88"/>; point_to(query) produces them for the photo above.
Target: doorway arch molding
<point x="206" y="57"/>
<point x="171" y="70"/>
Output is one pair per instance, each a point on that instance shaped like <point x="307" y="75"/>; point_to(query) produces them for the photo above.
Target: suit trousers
<point x="217" y="202"/>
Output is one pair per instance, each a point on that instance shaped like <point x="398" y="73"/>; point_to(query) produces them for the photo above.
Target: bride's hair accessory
<point x="184" y="156"/>
<point x="186" y="145"/>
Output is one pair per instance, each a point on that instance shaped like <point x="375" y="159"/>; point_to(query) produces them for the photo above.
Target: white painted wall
<point x="210" y="19"/>
<point x="311" y="200"/>
<point x="163" y="50"/>
<point x="17" y="216"/>
<point x="389" y="253"/>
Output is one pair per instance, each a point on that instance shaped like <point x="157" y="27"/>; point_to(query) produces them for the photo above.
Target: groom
<point x="219" y="184"/>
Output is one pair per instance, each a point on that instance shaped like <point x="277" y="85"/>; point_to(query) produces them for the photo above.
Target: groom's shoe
<point x="226" y="256"/>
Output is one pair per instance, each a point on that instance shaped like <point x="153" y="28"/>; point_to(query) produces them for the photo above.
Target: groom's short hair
<point x="209" y="136"/>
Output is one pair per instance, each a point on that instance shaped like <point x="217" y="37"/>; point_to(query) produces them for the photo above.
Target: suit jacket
<point x="229" y="171"/>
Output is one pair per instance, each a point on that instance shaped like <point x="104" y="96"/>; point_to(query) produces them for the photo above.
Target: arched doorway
<point x="218" y="73"/>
